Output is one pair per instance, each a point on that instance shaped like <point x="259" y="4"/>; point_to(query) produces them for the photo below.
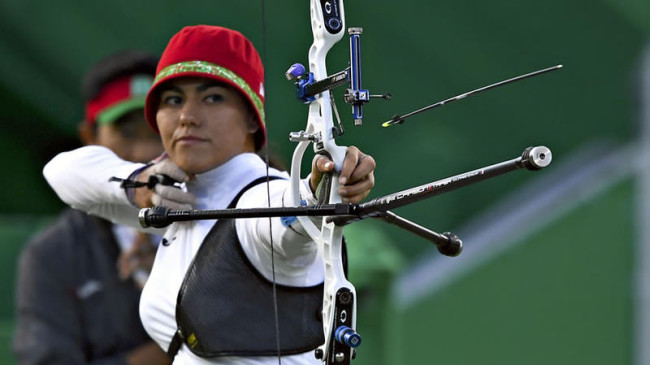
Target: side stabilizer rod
<point x="448" y="243"/>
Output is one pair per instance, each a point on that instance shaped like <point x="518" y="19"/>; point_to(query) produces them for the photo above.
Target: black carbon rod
<point x="533" y="158"/>
<point x="448" y="243"/>
<point x="160" y="216"/>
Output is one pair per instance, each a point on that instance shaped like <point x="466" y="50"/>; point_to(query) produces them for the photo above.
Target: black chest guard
<point x="225" y="307"/>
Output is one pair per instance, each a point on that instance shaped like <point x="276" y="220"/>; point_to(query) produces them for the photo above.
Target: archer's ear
<point x="86" y="133"/>
<point x="253" y="125"/>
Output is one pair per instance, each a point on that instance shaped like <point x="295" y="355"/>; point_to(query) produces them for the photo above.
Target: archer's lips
<point x="189" y="140"/>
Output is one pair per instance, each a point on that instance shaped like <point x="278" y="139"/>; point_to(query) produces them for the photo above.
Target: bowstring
<point x="268" y="196"/>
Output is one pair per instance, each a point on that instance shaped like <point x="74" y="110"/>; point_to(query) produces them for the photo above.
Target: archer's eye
<point x="171" y="100"/>
<point x="214" y="98"/>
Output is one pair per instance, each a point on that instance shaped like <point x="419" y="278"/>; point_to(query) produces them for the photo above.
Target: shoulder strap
<point x="255" y="182"/>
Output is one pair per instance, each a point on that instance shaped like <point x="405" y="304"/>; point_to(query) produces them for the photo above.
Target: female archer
<point x="209" y="297"/>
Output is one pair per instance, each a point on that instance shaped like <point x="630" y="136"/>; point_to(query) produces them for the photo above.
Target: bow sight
<point x="307" y="88"/>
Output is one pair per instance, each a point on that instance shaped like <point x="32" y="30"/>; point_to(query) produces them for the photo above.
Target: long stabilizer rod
<point x="533" y="158"/>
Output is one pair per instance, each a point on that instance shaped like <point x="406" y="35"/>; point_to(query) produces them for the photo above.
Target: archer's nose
<point x="190" y="115"/>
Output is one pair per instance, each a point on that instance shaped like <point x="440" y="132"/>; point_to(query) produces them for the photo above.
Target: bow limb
<point x="339" y="304"/>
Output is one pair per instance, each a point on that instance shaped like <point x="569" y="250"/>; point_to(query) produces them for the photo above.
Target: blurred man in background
<point x="79" y="281"/>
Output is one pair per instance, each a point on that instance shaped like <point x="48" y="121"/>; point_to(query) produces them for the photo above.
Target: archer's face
<point x="130" y="138"/>
<point x="204" y="123"/>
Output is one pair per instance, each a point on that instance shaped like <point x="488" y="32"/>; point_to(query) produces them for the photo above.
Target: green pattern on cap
<point x="114" y="112"/>
<point x="216" y="70"/>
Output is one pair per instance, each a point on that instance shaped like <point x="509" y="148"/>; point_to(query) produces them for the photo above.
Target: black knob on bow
<point x="157" y="217"/>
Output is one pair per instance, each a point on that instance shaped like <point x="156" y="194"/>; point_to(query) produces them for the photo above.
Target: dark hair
<point x="116" y="65"/>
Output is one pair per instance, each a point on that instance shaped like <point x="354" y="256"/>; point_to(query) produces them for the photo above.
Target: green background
<point x="564" y="294"/>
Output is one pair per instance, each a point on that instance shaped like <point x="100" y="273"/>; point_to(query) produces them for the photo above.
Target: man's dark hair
<point x="114" y="66"/>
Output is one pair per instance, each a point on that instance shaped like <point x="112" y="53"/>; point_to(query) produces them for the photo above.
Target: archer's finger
<point x="167" y="167"/>
<point x="323" y="163"/>
<point x="364" y="170"/>
<point x="357" y="191"/>
<point x="320" y="164"/>
<point x="172" y="197"/>
<point x="356" y="166"/>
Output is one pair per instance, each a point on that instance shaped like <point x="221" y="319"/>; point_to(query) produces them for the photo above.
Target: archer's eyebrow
<point x="204" y="85"/>
<point x="208" y="84"/>
<point x="169" y="87"/>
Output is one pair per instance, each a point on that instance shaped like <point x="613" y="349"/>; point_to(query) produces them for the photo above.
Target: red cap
<point x="117" y="98"/>
<point x="216" y="53"/>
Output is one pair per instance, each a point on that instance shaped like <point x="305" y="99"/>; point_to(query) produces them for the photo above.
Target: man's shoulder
<point x="67" y="230"/>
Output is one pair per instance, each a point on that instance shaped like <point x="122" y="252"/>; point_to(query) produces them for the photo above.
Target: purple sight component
<point x="296" y="70"/>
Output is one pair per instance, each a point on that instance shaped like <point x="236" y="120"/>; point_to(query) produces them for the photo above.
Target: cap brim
<point x="115" y="112"/>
